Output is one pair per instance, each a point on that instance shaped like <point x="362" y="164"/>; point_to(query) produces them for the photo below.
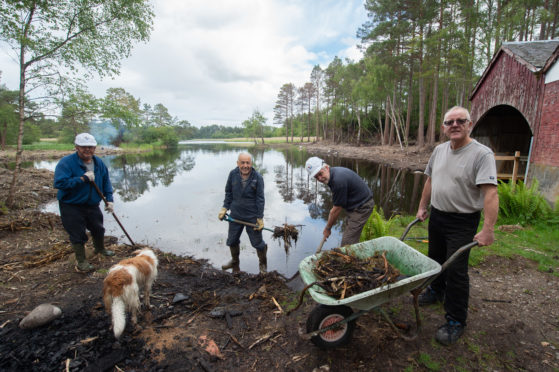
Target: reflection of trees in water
<point x="134" y="174"/>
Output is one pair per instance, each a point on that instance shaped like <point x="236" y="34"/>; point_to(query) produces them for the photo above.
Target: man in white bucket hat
<point x="78" y="199"/>
<point x="349" y="192"/>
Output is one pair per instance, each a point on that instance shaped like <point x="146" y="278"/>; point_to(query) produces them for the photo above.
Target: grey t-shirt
<point x="457" y="174"/>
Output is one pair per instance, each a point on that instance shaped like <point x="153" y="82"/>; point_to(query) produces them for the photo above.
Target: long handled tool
<point x="231" y="219"/>
<point x="321" y="244"/>
<point x="114" y="215"/>
<point x="317" y="251"/>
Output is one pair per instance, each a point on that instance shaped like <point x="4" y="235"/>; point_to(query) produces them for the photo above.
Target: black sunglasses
<point x="448" y="123"/>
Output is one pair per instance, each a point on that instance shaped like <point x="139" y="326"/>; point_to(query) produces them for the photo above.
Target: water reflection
<point x="170" y="199"/>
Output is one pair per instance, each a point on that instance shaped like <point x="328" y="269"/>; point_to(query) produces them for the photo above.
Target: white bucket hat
<point x="314" y="165"/>
<point x="85" y="139"/>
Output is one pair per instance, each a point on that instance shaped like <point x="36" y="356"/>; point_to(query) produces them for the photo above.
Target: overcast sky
<point x="216" y="61"/>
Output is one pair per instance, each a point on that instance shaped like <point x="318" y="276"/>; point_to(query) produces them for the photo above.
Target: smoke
<point x="105" y="133"/>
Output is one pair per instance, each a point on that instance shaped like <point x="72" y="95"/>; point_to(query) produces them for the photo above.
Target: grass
<point x="49" y="145"/>
<point x="537" y="243"/>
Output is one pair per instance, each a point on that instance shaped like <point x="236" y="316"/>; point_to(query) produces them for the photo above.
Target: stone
<point x="41" y="315"/>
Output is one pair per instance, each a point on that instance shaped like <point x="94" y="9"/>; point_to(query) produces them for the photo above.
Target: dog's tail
<point x="118" y="312"/>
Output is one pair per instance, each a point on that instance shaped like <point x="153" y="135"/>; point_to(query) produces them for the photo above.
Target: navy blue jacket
<point x="245" y="204"/>
<point x="72" y="190"/>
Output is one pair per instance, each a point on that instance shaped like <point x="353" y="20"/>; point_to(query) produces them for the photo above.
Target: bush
<point x="376" y="225"/>
<point x="523" y="205"/>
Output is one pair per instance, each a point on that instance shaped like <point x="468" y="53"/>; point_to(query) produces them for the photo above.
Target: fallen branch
<point x="262" y="339"/>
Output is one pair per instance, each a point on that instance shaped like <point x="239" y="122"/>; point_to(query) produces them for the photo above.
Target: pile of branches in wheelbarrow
<point x="343" y="275"/>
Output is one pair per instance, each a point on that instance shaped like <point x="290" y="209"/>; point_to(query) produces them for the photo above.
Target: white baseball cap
<point x="85" y="139"/>
<point x="314" y="165"/>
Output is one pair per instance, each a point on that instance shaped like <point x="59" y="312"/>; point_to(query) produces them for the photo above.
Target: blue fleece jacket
<point x="245" y="204"/>
<point x="71" y="188"/>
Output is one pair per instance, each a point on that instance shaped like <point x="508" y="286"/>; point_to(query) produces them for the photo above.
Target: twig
<point x="262" y="339"/>
<point x="277" y="305"/>
<point x="235" y="340"/>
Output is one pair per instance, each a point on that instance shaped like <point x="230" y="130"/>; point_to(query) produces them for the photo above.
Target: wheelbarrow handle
<point x="408" y="228"/>
<point x="231" y="219"/>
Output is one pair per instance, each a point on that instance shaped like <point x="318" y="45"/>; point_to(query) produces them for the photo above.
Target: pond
<point x="170" y="200"/>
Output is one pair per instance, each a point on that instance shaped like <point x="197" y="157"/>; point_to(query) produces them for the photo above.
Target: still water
<point x="170" y="200"/>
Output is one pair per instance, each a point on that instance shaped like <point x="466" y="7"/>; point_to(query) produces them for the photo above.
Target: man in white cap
<point x="349" y="192"/>
<point x="78" y="199"/>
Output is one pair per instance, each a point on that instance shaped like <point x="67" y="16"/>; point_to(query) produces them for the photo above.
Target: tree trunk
<point x="410" y="106"/>
<point x="386" y="123"/>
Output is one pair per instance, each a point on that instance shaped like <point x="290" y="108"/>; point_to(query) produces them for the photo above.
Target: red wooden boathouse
<point x="515" y="107"/>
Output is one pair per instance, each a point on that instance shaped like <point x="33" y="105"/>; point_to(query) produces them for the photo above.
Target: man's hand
<point x="485" y="237"/>
<point x="260" y="223"/>
<point x="422" y="214"/>
<point x="89" y="176"/>
<point x="221" y="214"/>
<point x="109" y="207"/>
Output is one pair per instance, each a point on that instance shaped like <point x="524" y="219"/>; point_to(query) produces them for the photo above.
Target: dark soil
<point x="513" y="319"/>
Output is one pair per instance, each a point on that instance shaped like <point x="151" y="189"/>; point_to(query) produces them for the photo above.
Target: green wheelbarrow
<point x="331" y="323"/>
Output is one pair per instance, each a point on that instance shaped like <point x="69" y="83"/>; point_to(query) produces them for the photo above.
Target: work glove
<point x="221" y="214"/>
<point x="260" y="223"/>
<point x="89" y="176"/>
<point x="109" y="207"/>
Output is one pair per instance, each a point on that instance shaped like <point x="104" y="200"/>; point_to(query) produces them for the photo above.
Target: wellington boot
<point x="99" y="244"/>
<point x="82" y="264"/>
<point x="262" y="260"/>
<point x="234" y="263"/>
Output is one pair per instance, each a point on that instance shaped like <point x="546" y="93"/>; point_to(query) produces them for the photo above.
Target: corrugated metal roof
<point x="535" y="53"/>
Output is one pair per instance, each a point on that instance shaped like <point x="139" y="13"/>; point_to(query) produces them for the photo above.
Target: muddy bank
<point x="411" y="158"/>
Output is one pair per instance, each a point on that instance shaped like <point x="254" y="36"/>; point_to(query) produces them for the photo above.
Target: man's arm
<point x="490" y="212"/>
<point x="332" y="218"/>
<point x="228" y="193"/>
<point x="422" y="212"/>
<point x="260" y="201"/>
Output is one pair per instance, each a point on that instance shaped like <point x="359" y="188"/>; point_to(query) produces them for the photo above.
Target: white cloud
<point x="214" y="62"/>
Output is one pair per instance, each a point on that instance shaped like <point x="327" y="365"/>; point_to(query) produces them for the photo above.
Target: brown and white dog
<point x="122" y="285"/>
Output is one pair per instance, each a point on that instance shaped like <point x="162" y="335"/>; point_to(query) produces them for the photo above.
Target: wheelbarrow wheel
<point x="323" y="316"/>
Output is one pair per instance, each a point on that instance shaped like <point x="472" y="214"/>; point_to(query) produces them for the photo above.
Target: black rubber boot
<point x="82" y="264"/>
<point x="234" y="263"/>
<point x="99" y="244"/>
<point x="262" y="260"/>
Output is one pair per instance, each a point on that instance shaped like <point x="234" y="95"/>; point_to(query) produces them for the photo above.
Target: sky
<point x="216" y="61"/>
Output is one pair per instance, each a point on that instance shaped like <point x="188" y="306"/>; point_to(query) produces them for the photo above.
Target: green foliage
<point x="523" y="205"/>
<point x="376" y="225"/>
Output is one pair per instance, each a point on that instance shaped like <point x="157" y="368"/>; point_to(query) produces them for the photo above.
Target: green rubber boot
<point x="234" y="263"/>
<point x="99" y="244"/>
<point x="82" y="264"/>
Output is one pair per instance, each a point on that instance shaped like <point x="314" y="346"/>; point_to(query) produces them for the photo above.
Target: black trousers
<point x="76" y="218"/>
<point x="447" y="233"/>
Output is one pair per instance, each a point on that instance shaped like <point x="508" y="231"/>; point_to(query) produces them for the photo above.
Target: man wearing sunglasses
<point x="79" y="201"/>
<point x="462" y="181"/>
